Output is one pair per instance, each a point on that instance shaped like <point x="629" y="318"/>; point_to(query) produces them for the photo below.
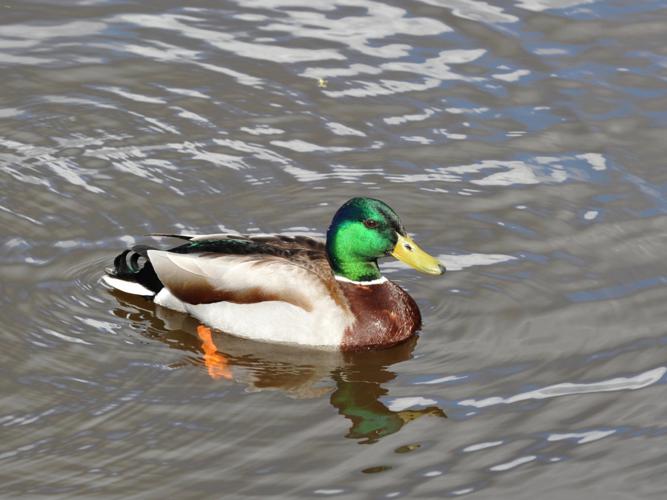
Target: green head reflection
<point x="355" y="382"/>
<point x="360" y="388"/>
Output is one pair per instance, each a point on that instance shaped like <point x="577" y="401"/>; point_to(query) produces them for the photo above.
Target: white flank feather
<point x="321" y="323"/>
<point x="166" y="299"/>
<point x="127" y="286"/>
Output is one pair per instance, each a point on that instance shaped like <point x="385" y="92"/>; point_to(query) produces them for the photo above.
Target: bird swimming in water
<point x="288" y="289"/>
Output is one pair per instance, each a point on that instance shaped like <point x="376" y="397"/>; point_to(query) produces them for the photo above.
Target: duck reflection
<point x="359" y="388"/>
<point x="355" y="380"/>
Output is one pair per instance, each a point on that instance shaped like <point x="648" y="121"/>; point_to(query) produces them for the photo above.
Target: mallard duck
<point x="288" y="289"/>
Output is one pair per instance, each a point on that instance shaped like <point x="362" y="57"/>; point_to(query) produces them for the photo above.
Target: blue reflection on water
<point x="617" y="291"/>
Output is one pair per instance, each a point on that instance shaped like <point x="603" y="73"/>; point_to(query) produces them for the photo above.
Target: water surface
<point x="522" y="142"/>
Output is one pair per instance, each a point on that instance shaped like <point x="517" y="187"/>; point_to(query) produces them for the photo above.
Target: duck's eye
<point x="371" y="224"/>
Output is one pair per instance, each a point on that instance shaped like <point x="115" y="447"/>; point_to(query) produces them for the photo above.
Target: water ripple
<point x="522" y="142"/>
<point x="632" y="383"/>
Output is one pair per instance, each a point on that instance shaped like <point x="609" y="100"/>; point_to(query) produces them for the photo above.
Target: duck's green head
<point x="365" y="229"/>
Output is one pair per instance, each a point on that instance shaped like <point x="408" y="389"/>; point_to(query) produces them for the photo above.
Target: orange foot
<point x="216" y="363"/>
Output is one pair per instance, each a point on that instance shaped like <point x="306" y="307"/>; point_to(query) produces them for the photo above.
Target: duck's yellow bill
<point x="407" y="251"/>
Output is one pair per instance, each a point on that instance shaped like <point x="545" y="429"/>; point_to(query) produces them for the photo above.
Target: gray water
<point x="523" y="142"/>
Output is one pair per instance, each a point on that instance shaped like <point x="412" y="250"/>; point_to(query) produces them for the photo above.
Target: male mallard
<point x="289" y="289"/>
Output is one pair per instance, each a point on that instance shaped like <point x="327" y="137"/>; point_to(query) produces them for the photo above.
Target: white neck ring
<point x="378" y="281"/>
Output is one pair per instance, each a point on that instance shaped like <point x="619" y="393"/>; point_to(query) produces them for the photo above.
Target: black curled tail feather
<point x="133" y="265"/>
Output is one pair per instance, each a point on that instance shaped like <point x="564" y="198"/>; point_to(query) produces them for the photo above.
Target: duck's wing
<point x="297" y="242"/>
<point x="244" y="269"/>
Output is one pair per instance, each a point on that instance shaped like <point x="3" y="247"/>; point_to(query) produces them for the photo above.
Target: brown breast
<point x="385" y="315"/>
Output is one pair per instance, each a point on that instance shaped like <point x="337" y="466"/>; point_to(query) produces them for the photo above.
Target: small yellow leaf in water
<point x="322" y="83"/>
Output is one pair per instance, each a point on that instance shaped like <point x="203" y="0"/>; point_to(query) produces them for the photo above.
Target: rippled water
<point x="521" y="141"/>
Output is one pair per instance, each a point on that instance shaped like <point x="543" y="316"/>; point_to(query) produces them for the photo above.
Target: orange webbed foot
<point x="216" y="363"/>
